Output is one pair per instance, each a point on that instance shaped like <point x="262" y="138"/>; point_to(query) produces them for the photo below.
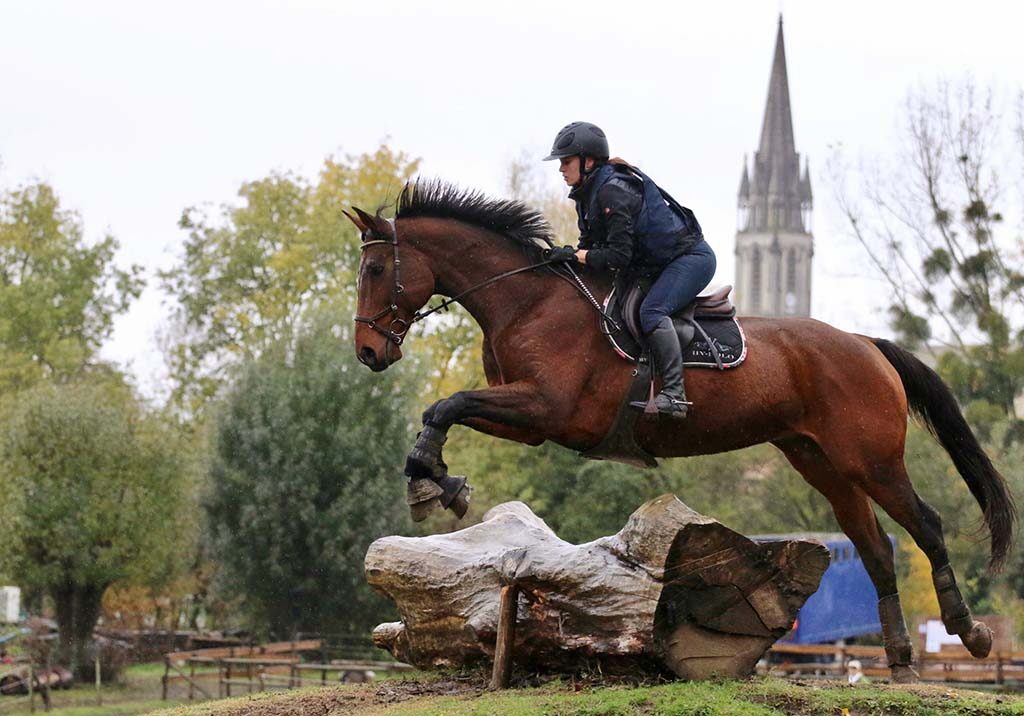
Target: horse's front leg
<point x="511" y="410"/>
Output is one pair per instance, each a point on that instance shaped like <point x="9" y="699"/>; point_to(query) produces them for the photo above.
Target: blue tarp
<point x="846" y="603"/>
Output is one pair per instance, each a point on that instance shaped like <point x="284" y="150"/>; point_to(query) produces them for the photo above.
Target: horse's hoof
<point x="978" y="640"/>
<point x="421" y="510"/>
<point x="421" y="490"/>
<point x="904" y="674"/>
<point x="460" y="505"/>
<point x="456" y="494"/>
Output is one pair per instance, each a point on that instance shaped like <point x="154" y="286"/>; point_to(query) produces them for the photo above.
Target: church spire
<point x="777" y="190"/>
<point x="777" y="128"/>
<point x="774" y="244"/>
<point x="744" y="192"/>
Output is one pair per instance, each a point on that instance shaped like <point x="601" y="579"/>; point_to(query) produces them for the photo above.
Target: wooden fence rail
<point x="257" y="668"/>
<point x="949" y="665"/>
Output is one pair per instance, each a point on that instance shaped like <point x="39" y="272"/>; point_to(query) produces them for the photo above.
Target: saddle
<point x="709" y="333"/>
<point x="710" y="337"/>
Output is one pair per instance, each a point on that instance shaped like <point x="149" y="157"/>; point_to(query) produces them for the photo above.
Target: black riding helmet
<point x="579" y="138"/>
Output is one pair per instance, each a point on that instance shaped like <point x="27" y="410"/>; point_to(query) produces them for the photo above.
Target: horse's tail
<point x="933" y="403"/>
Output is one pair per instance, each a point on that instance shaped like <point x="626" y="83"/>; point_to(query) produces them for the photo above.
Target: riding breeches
<point x="677" y="285"/>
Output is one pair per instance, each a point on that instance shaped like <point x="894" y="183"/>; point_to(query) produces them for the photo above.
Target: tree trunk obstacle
<point x="672" y="592"/>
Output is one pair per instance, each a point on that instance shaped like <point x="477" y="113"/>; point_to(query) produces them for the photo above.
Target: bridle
<point x="397" y="289"/>
<point x="397" y="329"/>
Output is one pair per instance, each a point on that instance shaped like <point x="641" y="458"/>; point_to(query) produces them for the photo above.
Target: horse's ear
<point x="374" y="223"/>
<point x="355" y="220"/>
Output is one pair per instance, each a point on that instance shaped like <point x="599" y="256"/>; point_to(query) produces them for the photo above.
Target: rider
<point x="627" y="223"/>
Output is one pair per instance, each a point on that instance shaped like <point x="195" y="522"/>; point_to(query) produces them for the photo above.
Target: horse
<point x="835" y="403"/>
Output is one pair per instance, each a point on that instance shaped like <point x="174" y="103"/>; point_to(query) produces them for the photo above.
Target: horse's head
<point x="392" y="285"/>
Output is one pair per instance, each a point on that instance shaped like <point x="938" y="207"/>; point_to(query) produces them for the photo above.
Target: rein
<point x="397" y="335"/>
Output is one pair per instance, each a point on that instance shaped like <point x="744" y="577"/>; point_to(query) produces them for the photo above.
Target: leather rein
<point x="399" y="327"/>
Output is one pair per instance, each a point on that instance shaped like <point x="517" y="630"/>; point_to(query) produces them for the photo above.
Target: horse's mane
<point x="440" y="199"/>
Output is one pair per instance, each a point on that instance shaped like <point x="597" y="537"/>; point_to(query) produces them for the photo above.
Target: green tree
<point x="525" y="180"/>
<point x="307" y="472"/>
<point x="58" y="294"/>
<point x="249" y="271"/>
<point x="106" y="493"/>
<point x="934" y="229"/>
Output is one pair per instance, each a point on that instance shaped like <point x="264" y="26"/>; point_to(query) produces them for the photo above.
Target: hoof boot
<point x="420" y="465"/>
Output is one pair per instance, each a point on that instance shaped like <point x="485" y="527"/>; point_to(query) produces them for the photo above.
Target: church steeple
<point x="778" y="194"/>
<point x="777" y="126"/>
<point x="774" y="246"/>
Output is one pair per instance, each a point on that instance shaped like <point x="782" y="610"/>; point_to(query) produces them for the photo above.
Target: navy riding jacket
<point x="626" y="220"/>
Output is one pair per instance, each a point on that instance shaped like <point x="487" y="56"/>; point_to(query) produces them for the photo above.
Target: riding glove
<point x="562" y="254"/>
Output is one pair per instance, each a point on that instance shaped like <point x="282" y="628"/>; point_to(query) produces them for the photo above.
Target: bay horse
<point x="835" y="403"/>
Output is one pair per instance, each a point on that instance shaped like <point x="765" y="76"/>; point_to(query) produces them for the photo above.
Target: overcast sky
<point x="135" y="110"/>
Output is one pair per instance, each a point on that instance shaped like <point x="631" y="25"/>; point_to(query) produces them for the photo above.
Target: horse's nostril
<point x="367" y="356"/>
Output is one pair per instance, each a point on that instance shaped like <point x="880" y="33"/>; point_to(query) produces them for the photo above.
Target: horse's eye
<point x="376" y="269"/>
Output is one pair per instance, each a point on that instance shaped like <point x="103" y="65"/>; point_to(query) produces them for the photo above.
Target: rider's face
<point x="570" y="169"/>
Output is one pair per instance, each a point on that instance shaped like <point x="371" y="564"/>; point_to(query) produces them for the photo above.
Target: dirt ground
<point x="332" y="701"/>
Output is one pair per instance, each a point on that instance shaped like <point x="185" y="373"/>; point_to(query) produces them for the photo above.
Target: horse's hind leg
<point x="856" y="517"/>
<point x="896" y="495"/>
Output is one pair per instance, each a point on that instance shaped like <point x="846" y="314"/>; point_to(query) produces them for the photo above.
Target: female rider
<point x="627" y="223"/>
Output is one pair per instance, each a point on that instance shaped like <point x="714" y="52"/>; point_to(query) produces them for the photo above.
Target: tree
<point x="58" y="294"/>
<point x="106" y="494"/>
<point x="249" y="271"/>
<point x="934" y="230"/>
<point x="525" y="183"/>
<point x="307" y="472"/>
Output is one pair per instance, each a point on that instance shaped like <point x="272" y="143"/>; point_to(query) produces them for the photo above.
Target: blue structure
<point x="846" y="603"/>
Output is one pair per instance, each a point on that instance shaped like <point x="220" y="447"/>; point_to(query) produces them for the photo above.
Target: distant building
<point x="774" y="245"/>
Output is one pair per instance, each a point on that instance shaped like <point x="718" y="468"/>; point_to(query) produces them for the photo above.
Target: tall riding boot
<point x="668" y="360"/>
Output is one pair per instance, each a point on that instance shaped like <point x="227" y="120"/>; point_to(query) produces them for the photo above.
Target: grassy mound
<point x="465" y="696"/>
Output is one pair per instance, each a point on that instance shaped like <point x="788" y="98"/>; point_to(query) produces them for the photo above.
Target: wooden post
<point x="220" y="679"/>
<point x="506" y="637"/>
<point x="192" y="679"/>
<point x="46" y="686"/>
<point x="99" y="696"/>
<point x="227" y="681"/>
<point x="167" y="671"/>
<point x="31" y="691"/>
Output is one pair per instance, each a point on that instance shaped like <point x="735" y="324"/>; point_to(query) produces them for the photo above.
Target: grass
<point x="756" y="697"/>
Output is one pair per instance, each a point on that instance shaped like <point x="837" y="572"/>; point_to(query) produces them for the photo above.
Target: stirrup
<point x="678" y="408"/>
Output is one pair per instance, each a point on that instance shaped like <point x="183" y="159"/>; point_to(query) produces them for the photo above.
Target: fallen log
<point x="672" y="592"/>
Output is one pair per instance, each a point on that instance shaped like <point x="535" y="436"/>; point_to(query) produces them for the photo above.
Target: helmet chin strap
<point x="583" y="171"/>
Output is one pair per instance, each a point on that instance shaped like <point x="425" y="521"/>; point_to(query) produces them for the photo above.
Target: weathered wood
<point x="506" y="639"/>
<point x="672" y="591"/>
